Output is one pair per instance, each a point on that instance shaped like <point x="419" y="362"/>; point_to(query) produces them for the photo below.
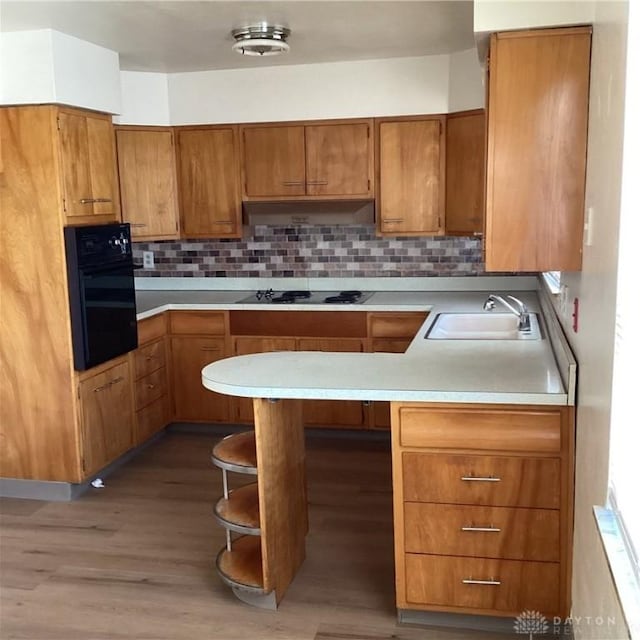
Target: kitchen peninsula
<point x="482" y="444"/>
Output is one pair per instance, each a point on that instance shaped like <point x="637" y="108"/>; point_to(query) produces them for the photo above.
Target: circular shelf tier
<point x="241" y="567"/>
<point x="240" y="512"/>
<point x="237" y="453"/>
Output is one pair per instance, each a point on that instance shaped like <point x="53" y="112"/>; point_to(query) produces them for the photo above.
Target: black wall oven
<point x="101" y="293"/>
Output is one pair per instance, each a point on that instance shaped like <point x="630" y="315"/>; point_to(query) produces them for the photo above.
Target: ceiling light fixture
<point x="261" y="40"/>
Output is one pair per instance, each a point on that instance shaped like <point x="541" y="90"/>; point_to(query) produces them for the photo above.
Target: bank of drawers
<point x="151" y="391"/>
<point x="479" y="531"/>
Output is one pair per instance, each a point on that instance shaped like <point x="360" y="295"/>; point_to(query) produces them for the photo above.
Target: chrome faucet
<point x="524" y="323"/>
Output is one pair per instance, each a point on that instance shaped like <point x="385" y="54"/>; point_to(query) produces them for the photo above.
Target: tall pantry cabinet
<point x="58" y="168"/>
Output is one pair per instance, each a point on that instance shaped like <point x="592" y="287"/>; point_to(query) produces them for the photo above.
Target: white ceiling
<point x="191" y="36"/>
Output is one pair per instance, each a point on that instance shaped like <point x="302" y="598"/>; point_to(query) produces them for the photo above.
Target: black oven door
<point x="107" y="309"/>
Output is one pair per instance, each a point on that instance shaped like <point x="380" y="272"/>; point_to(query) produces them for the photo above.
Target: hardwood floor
<point x="135" y="559"/>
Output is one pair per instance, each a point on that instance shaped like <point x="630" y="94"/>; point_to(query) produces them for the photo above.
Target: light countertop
<point x="474" y="371"/>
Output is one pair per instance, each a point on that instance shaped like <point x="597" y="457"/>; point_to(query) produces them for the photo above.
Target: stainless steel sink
<point x="482" y="326"/>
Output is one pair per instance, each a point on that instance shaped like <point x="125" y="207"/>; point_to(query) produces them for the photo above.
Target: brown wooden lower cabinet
<point x="333" y="413"/>
<point x="483" y="526"/>
<point x="504" y="586"/>
<point x="152" y="419"/>
<point x="107" y="423"/>
<point x="189" y="355"/>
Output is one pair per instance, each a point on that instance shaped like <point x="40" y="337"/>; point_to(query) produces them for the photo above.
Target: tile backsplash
<point x="315" y="251"/>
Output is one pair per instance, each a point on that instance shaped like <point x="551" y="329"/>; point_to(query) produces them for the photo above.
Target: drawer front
<point x="505" y="586"/>
<point x="151" y="388"/>
<point x="481" y="480"/>
<point x="390" y="345"/>
<point x="149" y="358"/>
<point x="152" y="328"/>
<point x="152" y="419"/>
<point x="206" y="323"/>
<point x="312" y="324"/>
<point x="484" y="532"/>
<point x="395" y="325"/>
<point x="506" y="430"/>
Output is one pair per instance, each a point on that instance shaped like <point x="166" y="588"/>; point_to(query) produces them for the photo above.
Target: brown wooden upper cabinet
<point x="536" y="149"/>
<point x="466" y="146"/>
<point x="148" y="189"/>
<point x="411" y="170"/>
<point x="209" y="182"/>
<point x="308" y="161"/>
<point x="88" y="160"/>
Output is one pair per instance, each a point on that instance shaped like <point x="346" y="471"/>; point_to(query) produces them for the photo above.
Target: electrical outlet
<point x="147" y="260"/>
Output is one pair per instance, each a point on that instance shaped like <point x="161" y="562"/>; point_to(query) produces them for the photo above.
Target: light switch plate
<point x="147" y="260"/>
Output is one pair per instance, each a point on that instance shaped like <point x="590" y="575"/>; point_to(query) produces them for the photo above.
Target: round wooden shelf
<point x="240" y="512"/>
<point x="242" y="566"/>
<point x="237" y="453"/>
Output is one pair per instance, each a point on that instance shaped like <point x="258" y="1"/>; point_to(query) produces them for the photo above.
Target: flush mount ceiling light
<point x="261" y="40"/>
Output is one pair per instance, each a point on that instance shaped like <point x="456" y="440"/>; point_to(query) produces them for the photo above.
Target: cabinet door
<point x="465" y="174"/>
<point x="411" y="195"/>
<point x="332" y="413"/>
<point x="88" y="165"/>
<point x="339" y="160"/>
<point x="536" y="149"/>
<point x="146" y="162"/>
<point x="243" y="407"/>
<point x="107" y="417"/>
<point x="189" y="355"/>
<point x="274" y="161"/>
<point x="208" y="175"/>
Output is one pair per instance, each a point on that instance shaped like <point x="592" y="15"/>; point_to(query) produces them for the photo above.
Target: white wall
<point x="466" y="87"/>
<point x="298" y="92"/>
<point x="145" y="98"/>
<point x="595" y="287"/>
<point x="48" y="66"/>
<point x="26" y="67"/>
<point x="506" y="15"/>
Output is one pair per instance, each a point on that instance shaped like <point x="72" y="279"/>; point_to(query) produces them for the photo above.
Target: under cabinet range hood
<point x="316" y="212"/>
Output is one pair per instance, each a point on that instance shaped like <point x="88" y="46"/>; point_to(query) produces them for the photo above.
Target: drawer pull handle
<point x="482" y="529"/>
<point x="392" y="220"/>
<point x="138" y="225"/>
<point x="480" y="479"/>
<point x="108" y="384"/>
<point x="150" y="358"/>
<point x="293" y="183"/>
<point x="210" y="349"/>
<point x="317" y="182"/>
<point x="491" y="582"/>
<point x="151" y="386"/>
<point x="93" y="200"/>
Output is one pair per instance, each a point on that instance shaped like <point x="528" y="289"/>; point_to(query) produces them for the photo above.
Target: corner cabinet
<point x="308" y="160"/>
<point x="536" y="153"/>
<point x="483" y="508"/>
<point x="209" y="182"/>
<point x="88" y="164"/>
<point x="147" y="168"/>
<point x="411" y="176"/>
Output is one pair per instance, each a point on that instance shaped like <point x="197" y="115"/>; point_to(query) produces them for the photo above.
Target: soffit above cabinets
<point x="194" y="36"/>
